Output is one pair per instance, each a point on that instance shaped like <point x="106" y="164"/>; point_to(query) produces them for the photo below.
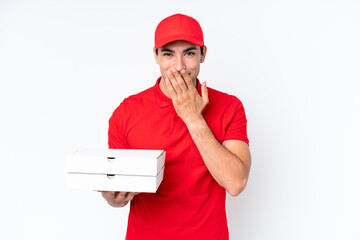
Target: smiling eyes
<point x="168" y="54"/>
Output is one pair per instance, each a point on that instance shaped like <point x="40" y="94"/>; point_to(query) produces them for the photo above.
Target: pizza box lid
<point x="138" y="162"/>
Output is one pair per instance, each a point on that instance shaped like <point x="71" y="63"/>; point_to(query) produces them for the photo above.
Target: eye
<point x="190" y="53"/>
<point x="167" y="54"/>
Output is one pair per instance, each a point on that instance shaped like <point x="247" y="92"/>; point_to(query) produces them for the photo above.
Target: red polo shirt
<point x="189" y="204"/>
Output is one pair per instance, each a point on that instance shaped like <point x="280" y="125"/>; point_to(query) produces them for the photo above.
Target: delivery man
<point x="203" y="132"/>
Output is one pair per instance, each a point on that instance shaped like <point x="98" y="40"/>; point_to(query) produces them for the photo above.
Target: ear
<point x="202" y="58"/>
<point x="156" y="56"/>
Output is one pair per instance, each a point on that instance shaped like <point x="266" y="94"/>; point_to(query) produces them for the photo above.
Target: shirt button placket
<point x="174" y="122"/>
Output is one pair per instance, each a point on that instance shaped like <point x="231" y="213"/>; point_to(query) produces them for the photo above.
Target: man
<point x="203" y="132"/>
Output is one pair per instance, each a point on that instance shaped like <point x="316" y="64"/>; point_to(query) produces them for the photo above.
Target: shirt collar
<point x="163" y="100"/>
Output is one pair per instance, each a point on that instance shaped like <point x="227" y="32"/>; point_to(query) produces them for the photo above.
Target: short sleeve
<point x="237" y="126"/>
<point x="116" y="132"/>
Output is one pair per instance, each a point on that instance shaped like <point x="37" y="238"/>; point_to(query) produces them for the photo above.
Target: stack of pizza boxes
<point x="126" y="170"/>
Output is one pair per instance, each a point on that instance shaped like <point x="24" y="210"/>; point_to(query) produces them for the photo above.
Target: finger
<point x="187" y="78"/>
<point x="120" y="196"/>
<point x="108" y="194"/>
<point x="103" y="194"/>
<point x="129" y="196"/>
<point x="170" y="88"/>
<point x="118" y="204"/>
<point x="124" y="204"/>
<point x="174" y="82"/>
<point x="180" y="81"/>
<point x="204" y="93"/>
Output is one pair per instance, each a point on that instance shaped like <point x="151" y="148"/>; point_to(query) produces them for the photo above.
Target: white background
<point x="66" y="65"/>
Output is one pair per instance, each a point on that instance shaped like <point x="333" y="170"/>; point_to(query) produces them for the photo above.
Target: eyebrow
<point x="172" y="51"/>
<point x="190" y="49"/>
<point x="167" y="50"/>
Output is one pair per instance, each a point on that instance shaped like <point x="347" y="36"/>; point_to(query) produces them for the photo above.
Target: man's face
<point x="180" y="55"/>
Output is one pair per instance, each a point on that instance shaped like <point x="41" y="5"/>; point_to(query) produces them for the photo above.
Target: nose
<point x="179" y="63"/>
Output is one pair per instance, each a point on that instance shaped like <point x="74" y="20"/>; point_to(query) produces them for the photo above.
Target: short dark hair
<point x="201" y="50"/>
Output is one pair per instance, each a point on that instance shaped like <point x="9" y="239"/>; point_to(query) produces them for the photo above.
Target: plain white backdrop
<point x="66" y="65"/>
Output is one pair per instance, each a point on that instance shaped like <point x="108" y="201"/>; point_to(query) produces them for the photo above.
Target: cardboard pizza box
<point x="129" y="170"/>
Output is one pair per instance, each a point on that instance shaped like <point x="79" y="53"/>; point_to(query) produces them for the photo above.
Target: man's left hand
<point x="187" y="102"/>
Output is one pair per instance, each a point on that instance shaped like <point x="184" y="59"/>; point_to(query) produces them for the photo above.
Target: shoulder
<point x="134" y="102"/>
<point x="139" y="97"/>
<point x="224" y="100"/>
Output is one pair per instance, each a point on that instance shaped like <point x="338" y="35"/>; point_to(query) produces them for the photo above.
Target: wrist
<point x="195" y="123"/>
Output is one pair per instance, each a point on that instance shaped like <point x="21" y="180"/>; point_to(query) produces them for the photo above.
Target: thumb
<point x="204" y="93"/>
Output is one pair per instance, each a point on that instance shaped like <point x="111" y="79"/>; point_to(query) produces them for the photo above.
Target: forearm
<point x="225" y="167"/>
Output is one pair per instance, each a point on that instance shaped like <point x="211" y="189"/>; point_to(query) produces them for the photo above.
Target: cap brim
<point x="183" y="37"/>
